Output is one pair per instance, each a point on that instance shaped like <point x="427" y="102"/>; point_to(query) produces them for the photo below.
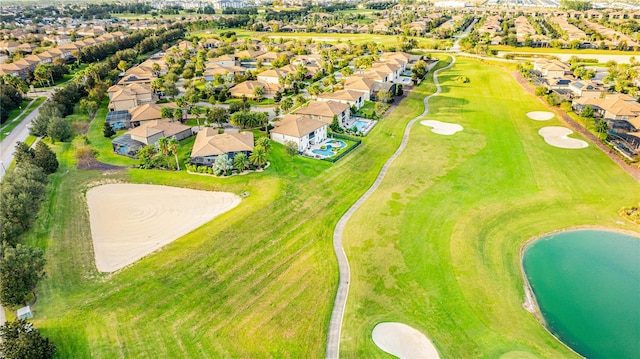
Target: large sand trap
<point x="540" y="115"/>
<point x="403" y="341"/>
<point x="129" y="221"/>
<point x="557" y="136"/>
<point x="442" y="128"/>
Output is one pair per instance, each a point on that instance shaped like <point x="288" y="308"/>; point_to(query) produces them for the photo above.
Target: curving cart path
<point x="335" y="324"/>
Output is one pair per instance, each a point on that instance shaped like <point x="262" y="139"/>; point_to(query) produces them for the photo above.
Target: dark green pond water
<point x="587" y="284"/>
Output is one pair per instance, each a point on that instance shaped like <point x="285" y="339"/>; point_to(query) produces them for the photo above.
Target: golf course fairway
<point x="437" y="246"/>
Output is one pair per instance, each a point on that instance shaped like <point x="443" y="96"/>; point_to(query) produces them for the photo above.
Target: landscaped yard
<point x="436" y="246"/>
<point x="102" y="144"/>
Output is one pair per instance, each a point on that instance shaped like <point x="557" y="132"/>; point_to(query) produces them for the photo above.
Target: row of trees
<point x="10" y="98"/>
<point x="51" y="117"/>
<point x="22" y="266"/>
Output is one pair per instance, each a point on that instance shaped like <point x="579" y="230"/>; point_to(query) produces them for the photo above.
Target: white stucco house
<point x="300" y="130"/>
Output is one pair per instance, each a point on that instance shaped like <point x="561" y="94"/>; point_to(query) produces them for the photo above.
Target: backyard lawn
<point x="437" y="245"/>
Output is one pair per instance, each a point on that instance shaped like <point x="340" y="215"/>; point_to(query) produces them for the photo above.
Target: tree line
<point x="10" y="98"/>
<point x="22" y="192"/>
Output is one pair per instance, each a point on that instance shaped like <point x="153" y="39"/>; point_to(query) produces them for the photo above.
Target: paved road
<point x="456" y="46"/>
<point x="19" y="133"/>
<point x="335" y="324"/>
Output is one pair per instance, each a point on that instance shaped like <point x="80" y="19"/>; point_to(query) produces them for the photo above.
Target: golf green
<point x="587" y="284"/>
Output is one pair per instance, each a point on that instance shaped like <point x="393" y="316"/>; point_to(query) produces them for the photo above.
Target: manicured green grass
<point x="440" y="250"/>
<point x="560" y="51"/>
<point x="258" y="281"/>
<point x="16" y="111"/>
<point x="102" y="144"/>
<point x="369" y="108"/>
<point x="437" y="246"/>
<point x="14" y="118"/>
<point x="322" y="37"/>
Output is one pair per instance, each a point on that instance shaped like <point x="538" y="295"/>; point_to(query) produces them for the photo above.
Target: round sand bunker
<point x="442" y="128"/>
<point x="558" y="136"/>
<point x="403" y="341"/>
<point x="540" y="115"/>
<point x="129" y="221"/>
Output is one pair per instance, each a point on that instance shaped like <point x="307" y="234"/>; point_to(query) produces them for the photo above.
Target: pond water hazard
<point x="587" y="286"/>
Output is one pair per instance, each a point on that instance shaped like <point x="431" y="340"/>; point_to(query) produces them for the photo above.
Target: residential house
<point x="361" y="84"/>
<point x="248" y="89"/>
<point x="269" y="57"/>
<point x="369" y="86"/>
<point x="148" y="134"/>
<point x="551" y="68"/>
<point x="587" y="89"/>
<point x="211" y="43"/>
<point x="271" y="76"/>
<point x="13" y="69"/>
<point x="325" y="111"/>
<point x="349" y="97"/>
<point x="9" y="46"/>
<point x="150" y="63"/>
<point x="617" y="109"/>
<point x="224" y="61"/>
<point x="27" y="48"/>
<point x="147" y="112"/>
<point x="124" y="97"/>
<point x="137" y="75"/>
<point x="299" y="129"/>
<point x="210" y="144"/>
<point x="228" y="72"/>
<point x="392" y="71"/>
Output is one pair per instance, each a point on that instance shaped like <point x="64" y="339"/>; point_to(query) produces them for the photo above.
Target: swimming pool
<point x="361" y="125"/>
<point x="331" y="148"/>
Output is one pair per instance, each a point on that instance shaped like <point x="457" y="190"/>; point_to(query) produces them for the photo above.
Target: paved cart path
<point x="335" y="324"/>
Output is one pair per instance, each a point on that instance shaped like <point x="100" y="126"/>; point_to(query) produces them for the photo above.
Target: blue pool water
<point x="331" y="145"/>
<point x="336" y="144"/>
<point x="360" y="125"/>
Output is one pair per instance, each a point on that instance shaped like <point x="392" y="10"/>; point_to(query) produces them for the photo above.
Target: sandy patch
<point x="558" y="136"/>
<point x="129" y="221"/>
<point x="442" y="128"/>
<point x="403" y="341"/>
<point x="540" y="115"/>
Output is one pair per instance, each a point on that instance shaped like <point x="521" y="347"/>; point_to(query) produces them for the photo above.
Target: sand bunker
<point x="442" y="128"/>
<point x="557" y="136"/>
<point x="403" y="341"/>
<point x="540" y="115"/>
<point x="129" y="221"/>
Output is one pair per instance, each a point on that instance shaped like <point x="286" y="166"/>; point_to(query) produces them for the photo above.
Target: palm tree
<point x="166" y="112"/>
<point x="172" y="146"/>
<point x="258" y="157"/>
<point x="157" y="85"/>
<point x="177" y="113"/>
<point x="258" y="91"/>
<point x="196" y="112"/>
<point x="286" y="104"/>
<point x="265" y="143"/>
<point x="163" y="147"/>
<point x="241" y="162"/>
